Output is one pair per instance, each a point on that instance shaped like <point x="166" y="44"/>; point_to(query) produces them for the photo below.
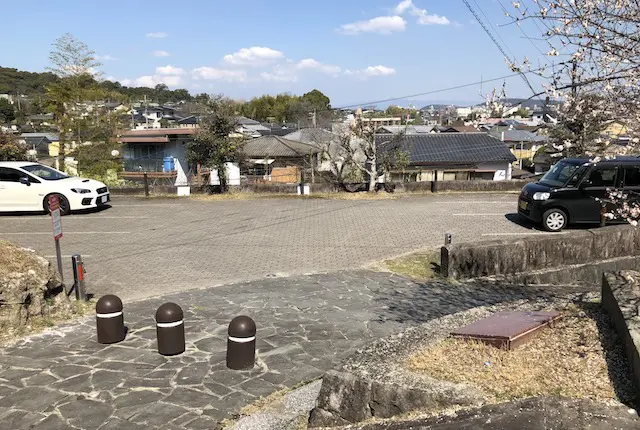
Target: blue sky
<point x="354" y="51"/>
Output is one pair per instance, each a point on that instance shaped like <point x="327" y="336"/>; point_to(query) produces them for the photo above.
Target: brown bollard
<point x="110" y="319"/>
<point x="241" y="345"/>
<point x="170" y="329"/>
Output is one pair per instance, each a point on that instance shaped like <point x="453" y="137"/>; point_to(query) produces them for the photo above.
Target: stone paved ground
<point x="143" y="248"/>
<point x="306" y="325"/>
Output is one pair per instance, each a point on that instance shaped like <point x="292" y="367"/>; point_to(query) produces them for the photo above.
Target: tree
<point x="602" y="75"/>
<point x="317" y="100"/>
<point x="521" y="112"/>
<point x="357" y="150"/>
<point x="7" y="113"/>
<point x="214" y="145"/>
<point x="11" y="149"/>
<point x="75" y="65"/>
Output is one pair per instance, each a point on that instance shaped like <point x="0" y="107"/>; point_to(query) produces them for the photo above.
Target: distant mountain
<point x="531" y="104"/>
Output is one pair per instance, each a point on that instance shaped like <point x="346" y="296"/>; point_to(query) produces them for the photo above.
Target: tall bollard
<point x="241" y="345"/>
<point x="170" y="329"/>
<point x="110" y="319"/>
<point x="78" y="277"/>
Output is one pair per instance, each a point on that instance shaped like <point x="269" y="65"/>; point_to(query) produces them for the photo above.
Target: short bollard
<point x="170" y="329"/>
<point x="241" y="345"/>
<point x="109" y="319"/>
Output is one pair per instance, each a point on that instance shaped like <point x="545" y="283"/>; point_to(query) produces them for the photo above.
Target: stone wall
<point x="398" y="187"/>
<point x="621" y="300"/>
<point x="508" y="257"/>
<point x="478" y="186"/>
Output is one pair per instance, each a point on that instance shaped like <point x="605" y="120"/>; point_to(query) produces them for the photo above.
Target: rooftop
<point x="453" y="148"/>
<point x="276" y="146"/>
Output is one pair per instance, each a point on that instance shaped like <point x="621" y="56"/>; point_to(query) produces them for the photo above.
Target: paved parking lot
<point x="144" y="248"/>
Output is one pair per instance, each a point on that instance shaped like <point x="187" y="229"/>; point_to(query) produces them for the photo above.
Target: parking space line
<point x="480" y="214"/>
<point x="13" y="233"/>
<point x="73" y="218"/>
<point x="523" y="233"/>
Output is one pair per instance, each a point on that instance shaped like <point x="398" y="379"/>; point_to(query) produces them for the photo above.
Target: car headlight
<point x="541" y="196"/>
<point x="80" y="190"/>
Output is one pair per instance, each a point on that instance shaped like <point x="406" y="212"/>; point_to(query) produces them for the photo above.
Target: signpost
<point x="54" y="209"/>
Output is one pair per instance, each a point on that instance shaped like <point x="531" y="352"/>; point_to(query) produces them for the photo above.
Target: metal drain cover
<point x="508" y="329"/>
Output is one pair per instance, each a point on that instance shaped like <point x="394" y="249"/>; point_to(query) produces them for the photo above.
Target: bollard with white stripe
<point x="110" y="319"/>
<point x="170" y="329"/>
<point x="241" y="345"/>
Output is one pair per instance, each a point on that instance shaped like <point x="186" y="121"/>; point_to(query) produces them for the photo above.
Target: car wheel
<point x="554" y="220"/>
<point x="65" y="207"/>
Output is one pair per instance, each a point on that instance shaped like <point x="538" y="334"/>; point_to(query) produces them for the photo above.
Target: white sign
<point x="57" y="224"/>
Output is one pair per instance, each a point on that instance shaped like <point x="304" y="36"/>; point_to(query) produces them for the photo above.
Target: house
<point x="544" y="117"/>
<point x="153" y="115"/>
<point x="406" y="129"/>
<point x="524" y="144"/>
<point x="451" y="156"/>
<point x="456" y="129"/>
<point x="44" y="144"/>
<point x="278" y="159"/>
<point x="145" y="150"/>
<point x="250" y="127"/>
<point x="190" y="121"/>
<point x="44" y="119"/>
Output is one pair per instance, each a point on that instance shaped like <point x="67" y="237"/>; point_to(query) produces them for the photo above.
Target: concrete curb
<point x="289" y="412"/>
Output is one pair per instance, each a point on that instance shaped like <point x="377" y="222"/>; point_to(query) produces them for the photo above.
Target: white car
<point x="26" y="186"/>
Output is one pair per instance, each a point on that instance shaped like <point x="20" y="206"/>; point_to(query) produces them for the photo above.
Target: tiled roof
<point x="518" y="136"/>
<point x="453" y="148"/>
<point x="53" y="137"/>
<point x="312" y="136"/>
<point x="275" y="146"/>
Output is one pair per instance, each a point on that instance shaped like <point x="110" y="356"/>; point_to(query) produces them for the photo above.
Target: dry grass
<point x="578" y="357"/>
<point x="420" y="265"/>
<point x="15" y="259"/>
<point x="38" y="324"/>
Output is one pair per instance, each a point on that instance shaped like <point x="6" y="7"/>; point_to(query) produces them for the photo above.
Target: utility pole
<point x="313" y="119"/>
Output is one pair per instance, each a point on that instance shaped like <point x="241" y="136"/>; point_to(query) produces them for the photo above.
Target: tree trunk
<point x="222" y="175"/>
<point x="372" y="175"/>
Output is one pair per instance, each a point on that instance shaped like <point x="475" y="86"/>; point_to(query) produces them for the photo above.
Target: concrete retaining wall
<point x="508" y="257"/>
<point x="621" y="300"/>
<point x="479" y="186"/>
<point x="398" y="187"/>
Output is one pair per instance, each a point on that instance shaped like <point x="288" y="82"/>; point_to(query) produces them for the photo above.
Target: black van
<point x="569" y="192"/>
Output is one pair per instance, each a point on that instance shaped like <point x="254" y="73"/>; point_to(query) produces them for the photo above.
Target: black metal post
<point x="146" y="185"/>
<point x="78" y="277"/>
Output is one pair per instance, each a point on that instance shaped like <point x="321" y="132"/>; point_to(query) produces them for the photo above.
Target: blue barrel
<point x="168" y="164"/>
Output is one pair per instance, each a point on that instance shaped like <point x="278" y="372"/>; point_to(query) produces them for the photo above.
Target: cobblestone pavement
<point x="143" y="248"/>
<point x="306" y="325"/>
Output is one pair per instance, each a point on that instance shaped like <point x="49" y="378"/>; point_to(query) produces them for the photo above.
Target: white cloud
<point x="380" y="25"/>
<point x="111" y="78"/>
<point x="160" y="54"/>
<point x="371" y="71"/>
<point x="157" y="35"/>
<point x="169" y="70"/>
<point x="254" y="56"/>
<point x="310" y="63"/>
<point x="379" y="71"/>
<point x="423" y="17"/>
<point x="153" y="80"/>
<point x="105" y="57"/>
<point x="211" y="73"/>
<point x="277" y="76"/>
<point x="403" y="6"/>
<point x="126" y="82"/>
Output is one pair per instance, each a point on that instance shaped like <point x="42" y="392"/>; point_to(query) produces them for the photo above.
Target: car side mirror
<point x="584" y="184"/>
<point x="25" y="180"/>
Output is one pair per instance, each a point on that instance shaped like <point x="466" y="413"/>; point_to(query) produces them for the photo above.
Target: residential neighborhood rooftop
<point x="452" y="148"/>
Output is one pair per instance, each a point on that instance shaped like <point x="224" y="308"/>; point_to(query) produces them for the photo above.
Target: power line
<point x="441" y="90"/>
<point x="493" y="39"/>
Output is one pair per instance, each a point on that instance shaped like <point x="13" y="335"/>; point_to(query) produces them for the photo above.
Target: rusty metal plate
<point x="507" y="329"/>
